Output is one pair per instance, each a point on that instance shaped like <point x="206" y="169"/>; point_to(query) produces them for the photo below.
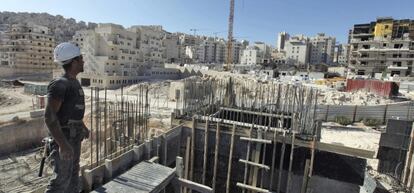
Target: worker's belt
<point x="73" y="128"/>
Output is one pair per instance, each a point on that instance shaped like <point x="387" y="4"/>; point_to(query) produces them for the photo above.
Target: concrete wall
<point x="331" y="171"/>
<point x="404" y="110"/>
<point x="21" y="135"/>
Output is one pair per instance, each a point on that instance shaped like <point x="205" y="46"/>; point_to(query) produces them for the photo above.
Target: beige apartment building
<point x="115" y="56"/>
<point x="26" y="50"/>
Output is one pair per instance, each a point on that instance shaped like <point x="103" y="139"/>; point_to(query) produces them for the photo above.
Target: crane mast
<point x="229" y="58"/>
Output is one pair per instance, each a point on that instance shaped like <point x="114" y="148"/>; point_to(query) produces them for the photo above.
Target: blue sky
<point x="255" y="20"/>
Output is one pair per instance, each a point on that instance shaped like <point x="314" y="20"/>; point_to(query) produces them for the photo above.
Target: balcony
<point x="397" y="68"/>
<point x="400" y="59"/>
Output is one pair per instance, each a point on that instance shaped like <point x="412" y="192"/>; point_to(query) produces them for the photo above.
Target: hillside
<point x="63" y="28"/>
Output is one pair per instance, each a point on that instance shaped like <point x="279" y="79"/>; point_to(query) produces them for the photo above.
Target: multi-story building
<point x="297" y="50"/>
<point x="341" y="54"/>
<point x="115" y="56"/>
<point x="281" y="39"/>
<point x="385" y="45"/>
<point x="27" y="50"/>
<point x="212" y="50"/>
<point x="265" y="49"/>
<point x="252" y="55"/>
<point x="150" y="43"/>
<point x="172" y="48"/>
<point x="237" y="49"/>
<point x="322" y="49"/>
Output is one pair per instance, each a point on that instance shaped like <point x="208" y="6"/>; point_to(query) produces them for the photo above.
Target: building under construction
<point x="228" y="135"/>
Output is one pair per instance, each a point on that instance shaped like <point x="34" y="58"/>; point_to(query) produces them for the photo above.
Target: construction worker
<point x="63" y="116"/>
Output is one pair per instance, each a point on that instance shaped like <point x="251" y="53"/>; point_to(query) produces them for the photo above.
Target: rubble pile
<point x="351" y="98"/>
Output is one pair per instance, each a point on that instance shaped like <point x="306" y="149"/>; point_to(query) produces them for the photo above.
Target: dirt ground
<point x="19" y="172"/>
<point x="357" y="136"/>
<point x="13" y="100"/>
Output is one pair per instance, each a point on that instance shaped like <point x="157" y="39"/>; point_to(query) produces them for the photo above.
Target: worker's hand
<point x="85" y="132"/>
<point x="66" y="152"/>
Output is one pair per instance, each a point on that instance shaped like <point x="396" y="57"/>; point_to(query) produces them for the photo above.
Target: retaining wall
<point x="22" y="134"/>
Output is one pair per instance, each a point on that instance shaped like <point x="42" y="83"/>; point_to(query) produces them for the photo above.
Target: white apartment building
<point x="212" y="50"/>
<point x="281" y="39"/>
<point x="265" y="49"/>
<point x="252" y="55"/>
<point x="297" y="50"/>
<point x="115" y="56"/>
<point x="322" y="49"/>
<point x="342" y="54"/>
<point x="27" y="50"/>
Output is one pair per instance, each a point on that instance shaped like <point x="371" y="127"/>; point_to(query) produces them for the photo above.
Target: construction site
<point x="220" y="133"/>
<point x="192" y="128"/>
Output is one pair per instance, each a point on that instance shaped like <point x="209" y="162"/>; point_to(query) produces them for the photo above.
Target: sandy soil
<point x="19" y="172"/>
<point x="14" y="100"/>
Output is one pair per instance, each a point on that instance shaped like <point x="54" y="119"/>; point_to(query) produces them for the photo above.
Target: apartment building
<point x="252" y="55"/>
<point x="341" y="54"/>
<point x="213" y="50"/>
<point x="322" y="49"/>
<point x="297" y="50"/>
<point x="26" y="50"/>
<point x="281" y="39"/>
<point x="265" y="49"/>
<point x="382" y="46"/>
<point x="115" y="56"/>
<point x="150" y="43"/>
<point x="172" y="48"/>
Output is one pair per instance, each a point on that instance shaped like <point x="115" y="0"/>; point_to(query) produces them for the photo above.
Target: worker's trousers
<point x="66" y="172"/>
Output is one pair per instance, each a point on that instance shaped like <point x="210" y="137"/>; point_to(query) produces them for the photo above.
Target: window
<point x="398" y="46"/>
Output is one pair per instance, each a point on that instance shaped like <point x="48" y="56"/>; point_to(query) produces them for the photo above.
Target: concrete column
<point x="108" y="170"/>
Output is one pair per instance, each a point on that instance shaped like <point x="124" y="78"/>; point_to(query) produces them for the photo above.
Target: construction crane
<point x="229" y="59"/>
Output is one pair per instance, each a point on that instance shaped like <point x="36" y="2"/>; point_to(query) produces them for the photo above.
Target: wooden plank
<point x="187" y="159"/>
<point x="409" y="157"/>
<point x="256" y="140"/>
<point x="272" y="172"/>
<point x="230" y="159"/>
<point x="216" y="152"/>
<point x="282" y="158"/>
<point x="290" y="174"/>
<point x="246" y="167"/>
<point x="213" y="119"/>
<point x="205" y="153"/>
<point x="192" y="150"/>
<point x="312" y="160"/>
<point x="195" y="186"/>
<point x="305" y="177"/>
<point x="255" y="164"/>
<point x="256" y="158"/>
<point x="253" y="112"/>
<point x="252" y="188"/>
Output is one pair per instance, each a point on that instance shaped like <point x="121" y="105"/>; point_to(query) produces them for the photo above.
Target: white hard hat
<point x="65" y="51"/>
